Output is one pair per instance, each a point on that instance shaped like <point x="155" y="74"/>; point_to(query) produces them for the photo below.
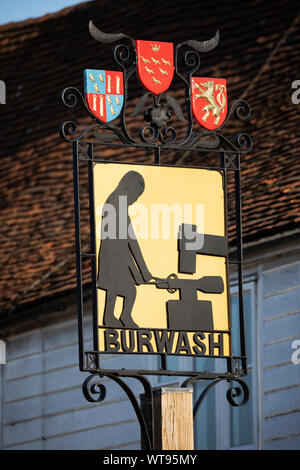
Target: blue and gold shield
<point x="104" y="92"/>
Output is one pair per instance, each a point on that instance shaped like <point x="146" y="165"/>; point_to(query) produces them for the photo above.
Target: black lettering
<point x="202" y="350"/>
<point x="164" y="342"/>
<point x="111" y="340"/>
<point x="143" y="339"/>
<point x="216" y="345"/>
<point x="183" y="344"/>
<point x="124" y="345"/>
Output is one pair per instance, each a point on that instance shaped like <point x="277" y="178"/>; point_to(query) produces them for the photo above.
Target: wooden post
<point x="173" y="418"/>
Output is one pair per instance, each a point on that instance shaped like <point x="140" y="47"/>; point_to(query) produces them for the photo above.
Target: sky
<point x="20" y="10"/>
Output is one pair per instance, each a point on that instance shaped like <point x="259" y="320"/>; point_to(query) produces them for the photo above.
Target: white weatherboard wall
<point x="279" y="312"/>
<point x="43" y="403"/>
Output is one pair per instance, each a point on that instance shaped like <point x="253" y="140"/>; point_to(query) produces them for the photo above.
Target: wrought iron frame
<point x="155" y="137"/>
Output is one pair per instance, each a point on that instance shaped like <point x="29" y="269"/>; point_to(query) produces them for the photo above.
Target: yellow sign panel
<point x="161" y="260"/>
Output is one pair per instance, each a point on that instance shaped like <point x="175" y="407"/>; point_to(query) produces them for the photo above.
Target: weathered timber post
<point x="172" y="418"/>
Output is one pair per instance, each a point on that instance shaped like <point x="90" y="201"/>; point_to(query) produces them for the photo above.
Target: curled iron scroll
<point x="232" y="393"/>
<point x="240" y="391"/>
<point x="94" y="391"/>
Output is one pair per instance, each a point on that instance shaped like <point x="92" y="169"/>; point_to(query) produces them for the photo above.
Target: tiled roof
<point x="259" y="56"/>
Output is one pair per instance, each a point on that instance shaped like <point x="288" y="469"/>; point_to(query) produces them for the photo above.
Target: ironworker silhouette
<point x="121" y="265"/>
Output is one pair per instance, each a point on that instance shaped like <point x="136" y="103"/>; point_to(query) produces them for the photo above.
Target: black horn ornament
<point x="104" y="37"/>
<point x="204" y="46"/>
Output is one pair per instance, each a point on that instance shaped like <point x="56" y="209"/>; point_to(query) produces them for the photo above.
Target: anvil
<point x="189" y="313"/>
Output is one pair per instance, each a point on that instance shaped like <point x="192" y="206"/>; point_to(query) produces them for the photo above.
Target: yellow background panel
<point x="168" y="185"/>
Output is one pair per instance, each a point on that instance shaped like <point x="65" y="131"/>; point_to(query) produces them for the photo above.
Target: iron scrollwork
<point x="232" y="393"/>
<point x="157" y="132"/>
<point x="95" y="391"/>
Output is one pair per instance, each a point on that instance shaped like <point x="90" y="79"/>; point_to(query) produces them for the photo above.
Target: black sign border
<point x="89" y="360"/>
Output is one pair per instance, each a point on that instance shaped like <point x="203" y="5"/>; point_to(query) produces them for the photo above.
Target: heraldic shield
<point x="209" y="101"/>
<point x="155" y="62"/>
<point x="104" y="91"/>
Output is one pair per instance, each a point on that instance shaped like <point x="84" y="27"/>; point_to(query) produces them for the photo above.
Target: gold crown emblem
<point x="155" y="47"/>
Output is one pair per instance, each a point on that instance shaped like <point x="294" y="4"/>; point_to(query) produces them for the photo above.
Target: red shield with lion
<point x="209" y="101"/>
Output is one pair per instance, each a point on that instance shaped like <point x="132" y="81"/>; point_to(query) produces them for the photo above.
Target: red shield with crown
<point x="155" y="65"/>
<point x="209" y="101"/>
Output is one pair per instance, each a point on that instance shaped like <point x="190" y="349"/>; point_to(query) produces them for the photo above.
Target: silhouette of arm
<point x="138" y="257"/>
<point x="135" y="273"/>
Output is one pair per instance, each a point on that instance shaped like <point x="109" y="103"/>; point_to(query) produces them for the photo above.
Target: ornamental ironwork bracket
<point x="95" y="391"/>
<point x="92" y="387"/>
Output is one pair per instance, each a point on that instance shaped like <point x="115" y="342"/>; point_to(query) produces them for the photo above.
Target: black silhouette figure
<point x="121" y="265"/>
